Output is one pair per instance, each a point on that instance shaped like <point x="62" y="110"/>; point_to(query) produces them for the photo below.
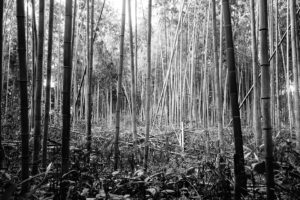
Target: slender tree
<point x="272" y="63"/>
<point x="48" y="84"/>
<point x="295" y="71"/>
<point x="7" y="77"/>
<point x="221" y="59"/>
<point x="86" y="85"/>
<point x="256" y="116"/>
<point x="92" y="60"/>
<point x="218" y="101"/>
<point x="23" y="92"/>
<point x="277" y="110"/>
<point x="239" y="168"/>
<point x="136" y="44"/>
<point x="38" y="91"/>
<point x="119" y="89"/>
<point x="133" y="99"/>
<point x="74" y="27"/>
<point x="205" y="85"/>
<point x="2" y="153"/>
<point x="66" y="87"/>
<point x="65" y="150"/>
<point x="87" y="89"/>
<point x="265" y="97"/>
<point x="89" y="85"/>
<point x="287" y="76"/>
<point x="75" y="41"/>
<point x="148" y="120"/>
<point x="34" y="63"/>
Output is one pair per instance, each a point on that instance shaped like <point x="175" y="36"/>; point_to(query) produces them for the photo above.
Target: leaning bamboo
<point x="239" y="168"/>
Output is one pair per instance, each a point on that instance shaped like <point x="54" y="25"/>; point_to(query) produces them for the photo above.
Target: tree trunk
<point x="265" y="97"/>
<point x="272" y="63"/>
<point x="66" y="95"/>
<point x="2" y="153"/>
<point x="34" y="61"/>
<point x="7" y="77"/>
<point x="133" y="98"/>
<point x="205" y="85"/>
<point x="221" y="57"/>
<point x="110" y="106"/>
<point x="239" y="168"/>
<point x="256" y="102"/>
<point x="87" y="88"/>
<point x="48" y="86"/>
<point x="38" y="92"/>
<point x="136" y="46"/>
<point x="119" y="89"/>
<point x="23" y="93"/>
<point x="75" y="41"/>
<point x="74" y="27"/>
<point x="89" y="85"/>
<point x="277" y="108"/>
<point x="295" y="72"/>
<point x="218" y="94"/>
<point x="148" y="120"/>
<point x="287" y="76"/>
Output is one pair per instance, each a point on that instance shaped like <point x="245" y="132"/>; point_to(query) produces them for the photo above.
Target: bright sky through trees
<point x="117" y="5"/>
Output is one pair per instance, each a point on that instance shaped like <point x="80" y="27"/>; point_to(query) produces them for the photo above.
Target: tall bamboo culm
<point x="38" y="91"/>
<point x="265" y="97"/>
<point x="47" y="102"/>
<point x="218" y="101"/>
<point x="133" y="85"/>
<point x="2" y="153"/>
<point x="23" y="93"/>
<point x="148" y="119"/>
<point x="256" y="102"/>
<point x="119" y="89"/>
<point x="295" y="72"/>
<point x="240" y="186"/>
<point x="67" y="77"/>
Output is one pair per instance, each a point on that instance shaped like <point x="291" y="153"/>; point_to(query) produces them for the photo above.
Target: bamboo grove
<point x="184" y="63"/>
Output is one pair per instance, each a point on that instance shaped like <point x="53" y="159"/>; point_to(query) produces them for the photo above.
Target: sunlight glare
<point x="52" y="83"/>
<point x="117" y="6"/>
<point x="291" y="88"/>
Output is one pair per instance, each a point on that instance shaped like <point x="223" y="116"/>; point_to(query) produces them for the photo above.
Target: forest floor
<point x="193" y="169"/>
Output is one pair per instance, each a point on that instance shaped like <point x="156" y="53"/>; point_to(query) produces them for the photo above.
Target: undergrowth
<point x="198" y="171"/>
